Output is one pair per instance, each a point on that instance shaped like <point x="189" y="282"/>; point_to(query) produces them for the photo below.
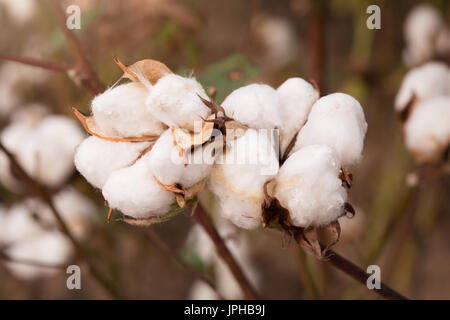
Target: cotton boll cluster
<point x="255" y="105"/>
<point x="29" y="233"/>
<point x="297" y="97"/>
<point x="427" y="131"/>
<point x="308" y="185"/>
<point x="44" y="149"/>
<point x="426" y="35"/>
<point x="121" y="111"/>
<point x="336" y="120"/>
<point x="174" y="100"/>
<point x="422" y="83"/>
<point x="423" y="102"/>
<point x="226" y="284"/>
<point x="237" y="180"/>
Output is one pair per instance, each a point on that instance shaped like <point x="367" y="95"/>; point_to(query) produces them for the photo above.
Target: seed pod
<point x="297" y="97"/>
<point x="120" y="111"/>
<point x="308" y="185"/>
<point x="256" y="106"/>
<point x="422" y="83"/>
<point x="96" y="158"/>
<point x="238" y="178"/>
<point x="338" y="121"/>
<point x="174" y="101"/>
<point x="427" y="131"/>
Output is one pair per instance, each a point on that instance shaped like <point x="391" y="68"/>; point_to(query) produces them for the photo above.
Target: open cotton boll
<point x="238" y="178"/>
<point x="168" y="167"/>
<point x="338" y="121"/>
<point x="255" y="105"/>
<point x="297" y="97"/>
<point x="49" y="248"/>
<point x="424" y="82"/>
<point x="77" y="211"/>
<point x="174" y="100"/>
<point x="201" y="291"/>
<point x="427" y="131"/>
<point x="135" y="192"/>
<point x="308" y="185"/>
<point x="121" y="111"/>
<point x="421" y="30"/>
<point x="17" y="224"/>
<point x="96" y="158"/>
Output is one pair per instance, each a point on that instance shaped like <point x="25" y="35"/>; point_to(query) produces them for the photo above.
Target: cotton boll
<point x="48" y="248"/>
<point x="174" y="100"/>
<point x="421" y="30"/>
<point x="308" y="185"/>
<point x="201" y="291"/>
<point x="17" y="224"/>
<point x="30" y="114"/>
<point x="297" y="97"/>
<point x="135" y="192"/>
<point x="168" y="166"/>
<point x="121" y="111"/>
<point x="338" y="121"/>
<point x="425" y="82"/>
<point x="238" y="178"/>
<point x="96" y="158"/>
<point x="255" y="105"/>
<point x="21" y="11"/>
<point x="427" y="131"/>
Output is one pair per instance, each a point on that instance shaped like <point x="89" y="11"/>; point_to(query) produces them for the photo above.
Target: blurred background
<point x="225" y="44"/>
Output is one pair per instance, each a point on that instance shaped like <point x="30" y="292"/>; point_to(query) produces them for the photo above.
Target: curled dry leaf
<point x="182" y="194"/>
<point x="92" y="128"/>
<point x="149" y="69"/>
<point x="346" y="177"/>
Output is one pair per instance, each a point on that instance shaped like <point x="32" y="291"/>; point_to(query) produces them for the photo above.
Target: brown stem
<point x="166" y="249"/>
<point x="205" y="221"/>
<point x="87" y="75"/>
<point x="41" y="192"/>
<point x="37" y="63"/>
<point x="358" y="274"/>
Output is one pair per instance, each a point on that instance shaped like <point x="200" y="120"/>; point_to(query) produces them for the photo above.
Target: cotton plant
<point x="249" y="151"/>
<point x="225" y="284"/>
<point x="30" y="237"/>
<point x="426" y="35"/>
<point x="422" y="104"/>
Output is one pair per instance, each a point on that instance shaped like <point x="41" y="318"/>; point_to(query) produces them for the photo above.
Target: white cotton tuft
<point x="297" y="97"/>
<point x="238" y="178"/>
<point x="427" y="131"/>
<point x="424" y="82"/>
<point x="48" y="248"/>
<point x="165" y="161"/>
<point x="96" y="158"/>
<point x="135" y="192"/>
<point x="201" y="291"/>
<point x="255" y="105"/>
<point x="121" y="111"/>
<point x="17" y="224"/>
<point x="308" y="185"/>
<point x="338" y="121"/>
<point x="175" y="101"/>
<point x="421" y="29"/>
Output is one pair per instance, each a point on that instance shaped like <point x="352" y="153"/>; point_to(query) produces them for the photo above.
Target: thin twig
<point x="37" y="63"/>
<point x="41" y="192"/>
<point x="205" y="221"/>
<point x="88" y="76"/>
<point x="166" y="249"/>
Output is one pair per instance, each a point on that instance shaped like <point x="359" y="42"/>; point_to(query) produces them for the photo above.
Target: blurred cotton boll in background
<point x="21" y="11"/>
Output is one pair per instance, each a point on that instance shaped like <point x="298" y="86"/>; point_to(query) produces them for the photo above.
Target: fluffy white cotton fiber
<point x="174" y="100"/>
<point x="121" y="111"/>
<point x="336" y="120"/>
<point x="135" y="192"/>
<point x="427" y="131"/>
<point x="308" y="185"/>
<point x="424" y="82"/>
<point x="96" y="158"/>
<point x="255" y="105"/>
<point x="238" y="178"/>
<point x="297" y="97"/>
